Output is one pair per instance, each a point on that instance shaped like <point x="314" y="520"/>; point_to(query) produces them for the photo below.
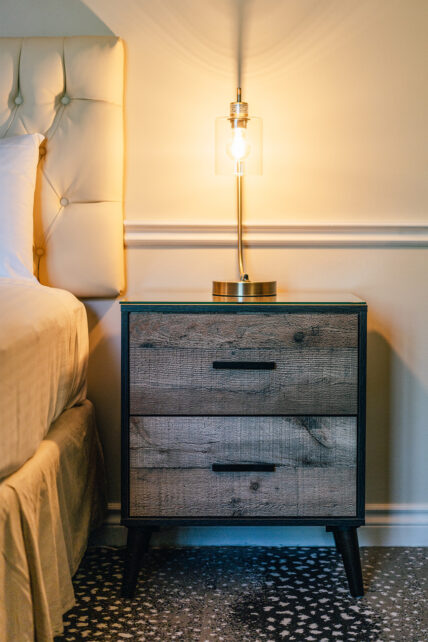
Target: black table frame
<point x="344" y="529"/>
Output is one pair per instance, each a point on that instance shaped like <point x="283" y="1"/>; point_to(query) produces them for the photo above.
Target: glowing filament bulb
<point x="239" y="148"/>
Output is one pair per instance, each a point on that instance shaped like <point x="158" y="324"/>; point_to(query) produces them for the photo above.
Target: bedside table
<point x="242" y="413"/>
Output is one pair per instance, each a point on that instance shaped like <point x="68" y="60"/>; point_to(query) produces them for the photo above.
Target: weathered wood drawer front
<point x="243" y="330"/>
<point x="287" y="492"/>
<point x="314" y="357"/>
<point x="171" y="463"/>
<point x="199" y="442"/>
<point x="185" y="382"/>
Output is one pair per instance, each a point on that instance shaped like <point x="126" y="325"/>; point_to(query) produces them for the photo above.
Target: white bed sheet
<point x="43" y="364"/>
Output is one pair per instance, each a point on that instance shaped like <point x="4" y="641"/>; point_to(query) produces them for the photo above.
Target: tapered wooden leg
<point x="137" y="545"/>
<point x="346" y="540"/>
<point x="331" y="529"/>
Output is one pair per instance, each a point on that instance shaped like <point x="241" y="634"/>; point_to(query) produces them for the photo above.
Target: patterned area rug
<point x="240" y="594"/>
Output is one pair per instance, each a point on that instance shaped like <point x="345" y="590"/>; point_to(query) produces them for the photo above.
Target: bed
<point x="52" y="483"/>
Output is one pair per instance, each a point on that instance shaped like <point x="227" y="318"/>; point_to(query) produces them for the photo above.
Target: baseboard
<point x="142" y="234"/>
<point x="386" y="525"/>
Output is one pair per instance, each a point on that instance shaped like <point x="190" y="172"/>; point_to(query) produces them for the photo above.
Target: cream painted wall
<point x="341" y="87"/>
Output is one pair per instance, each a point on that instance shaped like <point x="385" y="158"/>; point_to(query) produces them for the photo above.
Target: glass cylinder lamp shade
<point x="238" y="145"/>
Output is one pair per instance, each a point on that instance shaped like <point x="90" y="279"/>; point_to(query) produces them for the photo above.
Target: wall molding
<point x="386" y="525"/>
<point x="141" y="234"/>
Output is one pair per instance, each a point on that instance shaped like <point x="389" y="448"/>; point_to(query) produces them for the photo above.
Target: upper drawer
<point x="243" y="364"/>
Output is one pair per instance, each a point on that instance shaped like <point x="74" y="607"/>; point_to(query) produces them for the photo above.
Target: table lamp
<point x="238" y="151"/>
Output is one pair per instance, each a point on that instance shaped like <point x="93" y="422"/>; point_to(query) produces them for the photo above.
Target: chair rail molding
<point x="386" y="525"/>
<point x="139" y="233"/>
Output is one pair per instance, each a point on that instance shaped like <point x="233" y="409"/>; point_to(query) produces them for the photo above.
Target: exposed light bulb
<point x="239" y="148"/>
<point x="238" y="141"/>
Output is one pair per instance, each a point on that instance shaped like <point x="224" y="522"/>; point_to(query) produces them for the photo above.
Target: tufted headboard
<point x="71" y="90"/>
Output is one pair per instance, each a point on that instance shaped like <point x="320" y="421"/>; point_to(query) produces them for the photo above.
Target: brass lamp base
<point x="244" y="288"/>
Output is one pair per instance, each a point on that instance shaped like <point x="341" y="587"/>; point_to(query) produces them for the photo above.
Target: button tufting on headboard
<point x="71" y="90"/>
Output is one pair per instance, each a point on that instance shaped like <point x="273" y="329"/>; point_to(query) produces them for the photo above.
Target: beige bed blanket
<point x="43" y="363"/>
<point x="47" y="508"/>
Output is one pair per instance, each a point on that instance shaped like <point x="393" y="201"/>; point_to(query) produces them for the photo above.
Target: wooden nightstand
<point x="243" y="413"/>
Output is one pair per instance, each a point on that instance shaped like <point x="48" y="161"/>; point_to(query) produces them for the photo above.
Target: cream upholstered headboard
<point x="71" y="90"/>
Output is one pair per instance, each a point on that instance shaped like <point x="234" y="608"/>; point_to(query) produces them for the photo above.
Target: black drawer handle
<point x="243" y="468"/>
<point x="244" y="365"/>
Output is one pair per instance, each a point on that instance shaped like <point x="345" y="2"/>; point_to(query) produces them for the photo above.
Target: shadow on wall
<point x="20" y="18"/>
<point x="396" y="425"/>
<point x="104" y="380"/>
<point x="266" y="34"/>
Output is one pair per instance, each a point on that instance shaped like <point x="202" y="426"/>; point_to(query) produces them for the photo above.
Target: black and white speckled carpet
<point x="240" y="594"/>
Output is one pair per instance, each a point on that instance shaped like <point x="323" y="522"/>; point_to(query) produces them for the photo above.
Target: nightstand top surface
<point x="205" y="297"/>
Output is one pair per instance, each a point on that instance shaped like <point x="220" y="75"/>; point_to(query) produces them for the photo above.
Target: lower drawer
<point x="178" y="466"/>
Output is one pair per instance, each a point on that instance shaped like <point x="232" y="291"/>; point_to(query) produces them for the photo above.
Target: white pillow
<point x="19" y="156"/>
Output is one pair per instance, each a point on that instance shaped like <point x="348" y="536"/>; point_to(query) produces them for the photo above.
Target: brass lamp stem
<point x="242" y="275"/>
